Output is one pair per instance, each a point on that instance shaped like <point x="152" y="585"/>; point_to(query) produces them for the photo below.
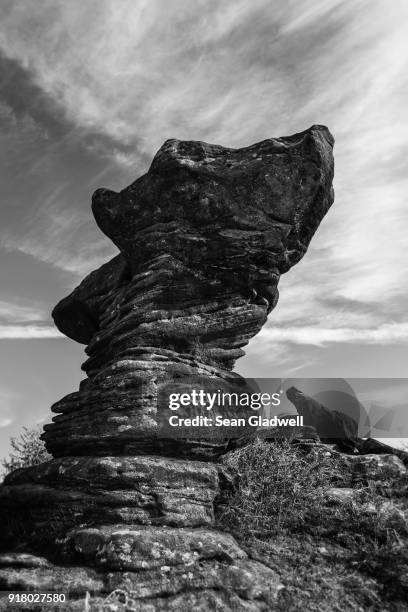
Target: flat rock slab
<point x="69" y="580"/>
<point x="117" y="547"/>
<point x="52" y="498"/>
<point x="210" y="584"/>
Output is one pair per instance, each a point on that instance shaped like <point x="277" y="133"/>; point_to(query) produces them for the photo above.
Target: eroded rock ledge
<point x="203" y="238"/>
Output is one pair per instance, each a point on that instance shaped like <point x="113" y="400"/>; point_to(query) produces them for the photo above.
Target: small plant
<point x="27" y="449"/>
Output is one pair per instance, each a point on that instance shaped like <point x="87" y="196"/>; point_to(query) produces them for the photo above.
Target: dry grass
<point x="279" y="487"/>
<point x="348" y="556"/>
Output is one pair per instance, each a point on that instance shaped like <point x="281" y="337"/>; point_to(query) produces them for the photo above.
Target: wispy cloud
<point x="53" y="238"/>
<point x="24" y="321"/>
<point x="209" y="67"/>
<point x="234" y="72"/>
<point x="27" y="332"/>
<point x="318" y="336"/>
<point x="20" y="313"/>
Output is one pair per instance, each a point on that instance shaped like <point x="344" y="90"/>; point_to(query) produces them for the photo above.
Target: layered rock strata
<point x="203" y="237"/>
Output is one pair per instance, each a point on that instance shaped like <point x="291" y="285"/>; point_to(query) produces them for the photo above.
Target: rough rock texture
<point x="241" y="584"/>
<point x="203" y="237"/>
<point x="65" y="492"/>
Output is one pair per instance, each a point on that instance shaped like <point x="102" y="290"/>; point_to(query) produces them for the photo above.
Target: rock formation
<point x="330" y="425"/>
<point x="203" y="237"/>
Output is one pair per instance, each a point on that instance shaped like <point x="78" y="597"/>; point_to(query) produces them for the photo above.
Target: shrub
<point x="27" y="450"/>
<point x="279" y="487"/>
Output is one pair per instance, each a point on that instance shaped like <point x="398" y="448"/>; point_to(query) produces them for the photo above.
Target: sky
<point x="90" y="90"/>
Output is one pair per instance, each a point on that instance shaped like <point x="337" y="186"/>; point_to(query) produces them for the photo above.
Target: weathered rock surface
<point x="203" y="237"/>
<point x="201" y="567"/>
<point x="74" y="581"/>
<point x="65" y="492"/>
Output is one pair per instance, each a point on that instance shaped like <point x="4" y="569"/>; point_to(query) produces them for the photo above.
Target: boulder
<point x="329" y="424"/>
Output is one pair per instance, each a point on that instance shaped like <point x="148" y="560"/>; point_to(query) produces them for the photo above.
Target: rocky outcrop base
<point x="144" y="525"/>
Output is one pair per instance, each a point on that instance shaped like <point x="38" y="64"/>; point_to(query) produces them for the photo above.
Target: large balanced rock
<point x="203" y="237"/>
